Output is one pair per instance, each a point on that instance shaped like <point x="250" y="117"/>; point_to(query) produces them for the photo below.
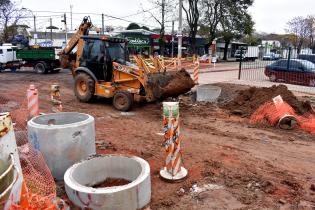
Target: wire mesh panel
<point x="286" y="66"/>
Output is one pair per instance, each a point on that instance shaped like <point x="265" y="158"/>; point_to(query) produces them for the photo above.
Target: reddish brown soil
<point x="257" y="167"/>
<point x="111" y="182"/>
<point x="248" y="101"/>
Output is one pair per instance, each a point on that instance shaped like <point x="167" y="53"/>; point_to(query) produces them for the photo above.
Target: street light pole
<point x="180" y="35"/>
<point x="103" y="30"/>
<point x="35" y="30"/>
<point x="65" y="21"/>
<point x="173" y="39"/>
<point x="71" y="6"/>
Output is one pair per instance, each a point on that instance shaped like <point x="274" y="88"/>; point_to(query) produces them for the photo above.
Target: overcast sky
<point x="270" y="16"/>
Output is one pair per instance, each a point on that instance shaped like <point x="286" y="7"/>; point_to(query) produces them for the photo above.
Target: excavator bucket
<point x="161" y="85"/>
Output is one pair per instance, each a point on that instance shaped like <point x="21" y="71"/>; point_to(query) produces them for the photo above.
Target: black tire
<point x="123" y="101"/>
<point x="40" y="68"/>
<point x="84" y="87"/>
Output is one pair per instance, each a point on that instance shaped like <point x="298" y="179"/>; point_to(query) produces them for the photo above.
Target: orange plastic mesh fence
<point x="35" y="171"/>
<point x="30" y="201"/>
<point x="271" y="114"/>
<point x="37" y="175"/>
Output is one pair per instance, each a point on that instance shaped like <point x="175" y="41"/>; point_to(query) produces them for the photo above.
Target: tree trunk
<point x="299" y="47"/>
<point x="193" y="42"/>
<point x="226" y="48"/>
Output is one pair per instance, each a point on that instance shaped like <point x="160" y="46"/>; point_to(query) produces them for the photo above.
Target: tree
<point x="212" y="14"/>
<point x="311" y="27"/>
<point x="299" y="27"/>
<point x="10" y="15"/>
<point x="145" y="28"/>
<point x="133" y="26"/>
<point x="192" y="17"/>
<point x="236" y="22"/>
<point x="166" y="9"/>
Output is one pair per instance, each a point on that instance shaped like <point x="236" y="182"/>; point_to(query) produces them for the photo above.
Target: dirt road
<point x="248" y="166"/>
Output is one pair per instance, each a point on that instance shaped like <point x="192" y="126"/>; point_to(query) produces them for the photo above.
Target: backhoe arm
<point x="75" y="41"/>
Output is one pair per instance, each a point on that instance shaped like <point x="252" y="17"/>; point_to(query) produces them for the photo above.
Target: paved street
<point x="228" y="72"/>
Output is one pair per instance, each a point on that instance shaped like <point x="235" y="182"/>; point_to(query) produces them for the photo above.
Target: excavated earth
<point x="243" y="166"/>
<point x="247" y="101"/>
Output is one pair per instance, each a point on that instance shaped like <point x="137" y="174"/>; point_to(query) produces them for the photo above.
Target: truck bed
<point x="36" y="54"/>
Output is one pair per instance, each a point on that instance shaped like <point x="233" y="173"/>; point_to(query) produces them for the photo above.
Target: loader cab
<point x="99" y="53"/>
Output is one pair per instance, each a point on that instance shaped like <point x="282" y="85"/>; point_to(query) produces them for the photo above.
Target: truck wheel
<point x="123" y="100"/>
<point x="84" y="87"/>
<point x="40" y="68"/>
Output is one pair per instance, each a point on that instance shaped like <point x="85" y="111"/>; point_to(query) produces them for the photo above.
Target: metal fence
<point x="285" y="66"/>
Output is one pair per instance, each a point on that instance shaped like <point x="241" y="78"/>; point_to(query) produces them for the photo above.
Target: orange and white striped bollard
<point x="196" y="71"/>
<point x="55" y="97"/>
<point x="32" y="101"/>
<point x="173" y="169"/>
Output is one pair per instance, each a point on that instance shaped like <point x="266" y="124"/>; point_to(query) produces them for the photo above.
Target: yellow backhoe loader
<point x="100" y="67"/>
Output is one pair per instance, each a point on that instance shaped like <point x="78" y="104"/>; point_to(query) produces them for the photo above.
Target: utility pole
<point x="35" y="34"/>
<point x="65" y="22"/>
<point x="71" y="6"/>
<point x="179" y="34"/>
<point x="162" y="45"/>
<point x="51" y="29"/>
<point x="103" y="30"/>
<point x="173" y="39"/>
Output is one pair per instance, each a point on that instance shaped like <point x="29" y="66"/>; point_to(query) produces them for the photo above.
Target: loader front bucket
<point x="159" y="86"/>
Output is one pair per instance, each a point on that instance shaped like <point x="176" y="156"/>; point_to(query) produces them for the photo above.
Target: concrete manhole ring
<point x="81" y="176"/>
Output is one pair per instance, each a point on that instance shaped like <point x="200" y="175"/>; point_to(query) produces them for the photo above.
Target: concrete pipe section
<point x="63" y="138"/>
<point x="81" y="180"/>
<point x="8" y="149"/>
<point x="208" y="93"/>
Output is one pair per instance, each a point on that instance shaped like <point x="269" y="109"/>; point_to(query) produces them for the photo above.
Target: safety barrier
<point x="32" y="101"/>
<point x="173" y="170"/>
<point x="55" y="98"/>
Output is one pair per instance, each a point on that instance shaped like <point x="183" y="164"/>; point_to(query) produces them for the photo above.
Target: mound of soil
<point x="248" y="101"/>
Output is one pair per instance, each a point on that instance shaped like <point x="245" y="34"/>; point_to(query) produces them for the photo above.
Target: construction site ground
<point x="235" y="164"/>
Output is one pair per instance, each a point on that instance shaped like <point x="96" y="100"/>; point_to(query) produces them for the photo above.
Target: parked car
<point x="310" y="57"/>
<point x="269" y="57"/>
<point x="296" y="71"/>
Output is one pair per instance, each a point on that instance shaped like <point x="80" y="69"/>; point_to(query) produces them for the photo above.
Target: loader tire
<point x="84" y="87"/>
<point x="40" y="68"/>
<point x="123" y="101"/>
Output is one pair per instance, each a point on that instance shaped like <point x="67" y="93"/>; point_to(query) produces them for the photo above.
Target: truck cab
<point x="7" y="53"/>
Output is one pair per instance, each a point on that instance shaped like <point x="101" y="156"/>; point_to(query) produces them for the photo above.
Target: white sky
<point x="270" y="16"/>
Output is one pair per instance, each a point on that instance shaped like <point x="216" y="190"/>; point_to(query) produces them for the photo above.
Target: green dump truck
<point x="42" y="60"/>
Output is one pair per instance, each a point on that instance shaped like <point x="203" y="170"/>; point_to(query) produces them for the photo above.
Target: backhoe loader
<point x="100" y="67"/>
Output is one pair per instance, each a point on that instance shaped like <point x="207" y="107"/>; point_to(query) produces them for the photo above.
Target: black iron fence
<point x="287" y="66"/>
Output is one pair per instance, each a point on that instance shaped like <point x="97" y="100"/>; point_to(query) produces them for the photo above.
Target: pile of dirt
<point x="248" y="101"/>
<point x="111" y="182"/>
<point x="169" y="84"/>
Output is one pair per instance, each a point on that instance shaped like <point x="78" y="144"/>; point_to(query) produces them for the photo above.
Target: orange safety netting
<point x="39" y="190"/>
<point x="36" y="173"/>
<point x="31" y="201"/>
<point x="272" y="112"/>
